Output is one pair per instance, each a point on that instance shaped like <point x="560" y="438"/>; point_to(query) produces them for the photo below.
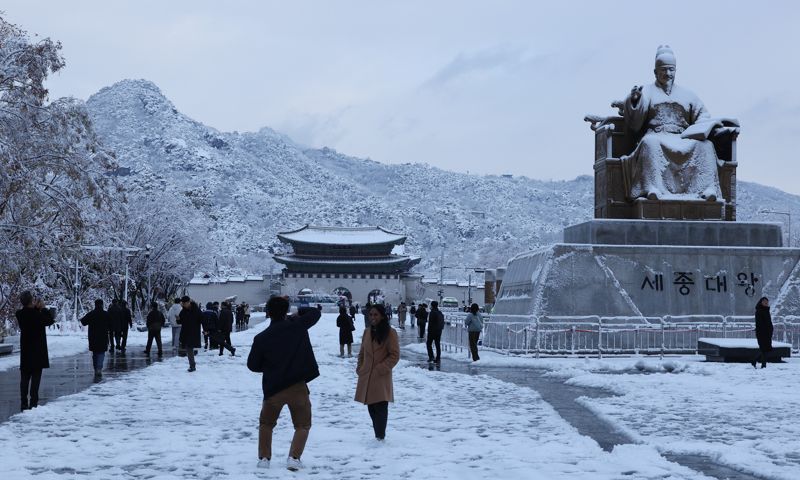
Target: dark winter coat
<point x="422" y="316"/>
<point x="99" y="322"/>
<point x="209" y="321"/>
<point x="116" y="317"/>
<point x="283" y="352"/>
<point x="353" y="310"/>
<point x="346" y="327"/>
<point x="763" y="328"/>
<point x="155" y="320"/>
<point x="225" y="323"/>
<point x="33" y="338"/>
<point x="127" y="318"/>
<point x="435" y="322"/>
<point x="190" y="320"/>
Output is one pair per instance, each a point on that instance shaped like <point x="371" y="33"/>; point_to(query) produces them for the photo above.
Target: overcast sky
<point x="485" y="87"/>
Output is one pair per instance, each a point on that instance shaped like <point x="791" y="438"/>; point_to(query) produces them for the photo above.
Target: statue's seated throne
<point x="612" y="141"/>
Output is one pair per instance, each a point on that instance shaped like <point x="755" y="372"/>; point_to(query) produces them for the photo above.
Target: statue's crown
<point x="665" y="56"/>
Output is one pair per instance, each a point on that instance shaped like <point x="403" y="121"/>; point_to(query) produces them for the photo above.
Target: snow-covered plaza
<point x="161" y="422"/>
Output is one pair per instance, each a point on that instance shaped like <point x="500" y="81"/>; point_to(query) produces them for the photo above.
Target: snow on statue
<point x="674" y="158"/>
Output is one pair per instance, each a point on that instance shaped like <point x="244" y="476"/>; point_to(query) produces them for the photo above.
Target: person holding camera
<point x="32" y="319"/>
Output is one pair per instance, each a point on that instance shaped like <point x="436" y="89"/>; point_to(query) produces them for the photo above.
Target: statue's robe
<point x="663" y="162"/>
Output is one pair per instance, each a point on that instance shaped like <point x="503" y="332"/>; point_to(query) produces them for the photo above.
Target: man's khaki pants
<point x="296" y="397"/>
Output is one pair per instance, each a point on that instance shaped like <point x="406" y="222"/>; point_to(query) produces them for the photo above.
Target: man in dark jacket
<point x="190" y="320"/>
<point x="224" y="328"/>
<point x="209" y="324"/>
<point x="422" y="319"/>
<point x="127" y="323"/>
<point x="284" y="355"/>
<point x="435" y="327"/>
<point x="155" y="320"/>
<point x="98" y="321"/>
<point x="116" y="319"/>
<point x="32" y="320"/>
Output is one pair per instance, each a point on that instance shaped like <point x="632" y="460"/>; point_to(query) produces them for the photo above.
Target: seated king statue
<point x="674" y="158"/>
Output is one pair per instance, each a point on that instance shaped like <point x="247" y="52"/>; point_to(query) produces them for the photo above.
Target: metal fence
<point x="593" y="335"/>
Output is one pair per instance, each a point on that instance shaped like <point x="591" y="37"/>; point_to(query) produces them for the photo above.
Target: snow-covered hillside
<point x="252" y="185"/>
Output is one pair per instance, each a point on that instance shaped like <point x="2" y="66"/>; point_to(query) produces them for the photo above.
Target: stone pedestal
<point x="637" y="268"/>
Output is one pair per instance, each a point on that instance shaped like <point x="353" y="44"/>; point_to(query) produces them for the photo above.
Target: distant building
<point x="361" y="263"/>
<point x="251" y="289"/>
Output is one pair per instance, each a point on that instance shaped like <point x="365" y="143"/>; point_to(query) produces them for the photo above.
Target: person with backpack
<point x="435" y="327"/>
<point x="346" y="327"/>
<point x="474" y="324"/>
<point x="155" y="321"/>
<point x="284" y="355"/>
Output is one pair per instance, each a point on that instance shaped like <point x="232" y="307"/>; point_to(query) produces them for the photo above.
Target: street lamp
<point x="789" y="223"/>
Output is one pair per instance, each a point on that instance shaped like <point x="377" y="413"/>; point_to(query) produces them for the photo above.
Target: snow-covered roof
<point x="344" y="261"/>
<point x="342" y="235"/>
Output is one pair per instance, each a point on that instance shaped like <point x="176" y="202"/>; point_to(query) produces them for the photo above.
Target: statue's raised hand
<point x="636" y="94"/>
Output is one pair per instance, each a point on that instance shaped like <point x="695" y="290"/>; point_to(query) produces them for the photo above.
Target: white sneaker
<point x="293" y="464"/>
<point x="263" y="463"/>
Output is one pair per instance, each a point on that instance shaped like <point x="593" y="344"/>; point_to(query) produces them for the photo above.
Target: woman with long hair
<point x="379" y="353"/>
<point x="763" y="332"/>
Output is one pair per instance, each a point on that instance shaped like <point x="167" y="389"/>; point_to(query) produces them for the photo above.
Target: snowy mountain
<point x="249" y="186"/>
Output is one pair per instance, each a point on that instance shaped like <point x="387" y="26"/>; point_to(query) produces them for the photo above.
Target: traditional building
<point x="360" y="263"/>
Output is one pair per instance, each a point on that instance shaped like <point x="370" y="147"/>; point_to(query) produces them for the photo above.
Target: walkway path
<point x="562" y="398"/>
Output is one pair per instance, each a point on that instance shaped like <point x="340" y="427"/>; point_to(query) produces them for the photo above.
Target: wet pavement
<point x="68" y="375"/>
<point x="563" y="398"/>
<point x="75" y="373"/>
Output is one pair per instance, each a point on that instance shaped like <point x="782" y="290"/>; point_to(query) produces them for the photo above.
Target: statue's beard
<point x="667" y="86"/>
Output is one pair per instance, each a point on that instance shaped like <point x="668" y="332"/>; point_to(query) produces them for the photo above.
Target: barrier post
<point x="572" y="341"/>
<point x="538" y="338"/>
<point x="599" y="338"/>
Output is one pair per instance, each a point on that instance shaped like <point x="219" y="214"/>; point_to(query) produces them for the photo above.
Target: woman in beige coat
<point x="379" y="353"/>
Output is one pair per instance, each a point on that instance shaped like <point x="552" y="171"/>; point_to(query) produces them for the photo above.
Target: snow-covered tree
<point x="52" y="168"/>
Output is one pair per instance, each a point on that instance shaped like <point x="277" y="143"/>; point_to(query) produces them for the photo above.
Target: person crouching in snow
<point x="283" y="353"/>
<point x="379" y="353"/>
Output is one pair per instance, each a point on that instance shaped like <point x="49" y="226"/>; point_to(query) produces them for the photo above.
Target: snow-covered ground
<point x="739" y="416"/>
<point x="161" y="422"/>
<point x="64" y="344"/>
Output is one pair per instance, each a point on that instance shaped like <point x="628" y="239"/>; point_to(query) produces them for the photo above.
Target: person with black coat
<point x="32" y="319"/>
<point x="283" y="353"/>
<point x="99" y="322"/>
<point x="155" y="320"/>
<point x="346" y="327"/>
<point x="435" y="327"/>
<point x="127" y="323"/>
<point x="224" y="329"/>
<point x="190" y="320"/>
<point x="763" y="332"/>
<point x="209" y="324"/>
<point x="116" y="320"/>
<point x="422" y="319"/>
